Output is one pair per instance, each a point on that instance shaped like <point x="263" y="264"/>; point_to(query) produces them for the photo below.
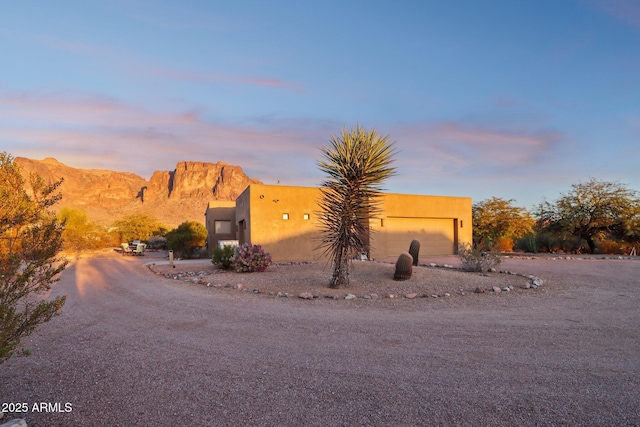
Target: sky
<point x="495" y="98"/>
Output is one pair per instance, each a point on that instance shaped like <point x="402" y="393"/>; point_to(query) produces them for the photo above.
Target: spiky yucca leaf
<point x="356" y="163"/>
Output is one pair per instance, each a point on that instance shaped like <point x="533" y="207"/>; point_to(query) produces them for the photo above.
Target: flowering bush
<point x="249" y="258"/>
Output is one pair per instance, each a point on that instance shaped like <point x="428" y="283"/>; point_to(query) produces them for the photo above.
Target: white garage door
<point x="436" y="235"/>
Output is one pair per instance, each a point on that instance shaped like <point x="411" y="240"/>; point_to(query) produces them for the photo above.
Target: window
<point x="222" y="227"/>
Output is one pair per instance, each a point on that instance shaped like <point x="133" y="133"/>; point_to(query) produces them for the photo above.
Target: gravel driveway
<point x="136" y="349"/>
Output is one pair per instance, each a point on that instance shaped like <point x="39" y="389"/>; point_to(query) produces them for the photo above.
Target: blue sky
<point x="513" y="99"/>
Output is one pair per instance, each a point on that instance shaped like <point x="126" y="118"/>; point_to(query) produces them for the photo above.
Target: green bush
<point x="474" y="259"/>
<point x="223" y="256"/>
<point x="187" y="239"/>
<point x="251" y="258"/>
<point x="527" y="244"/>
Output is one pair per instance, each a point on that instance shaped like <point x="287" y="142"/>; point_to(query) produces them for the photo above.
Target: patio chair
<point x="126" y="250"/>
<point x="139" y="250"/>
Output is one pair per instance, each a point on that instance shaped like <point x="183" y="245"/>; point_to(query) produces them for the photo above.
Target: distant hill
<point x="171" y="196"/>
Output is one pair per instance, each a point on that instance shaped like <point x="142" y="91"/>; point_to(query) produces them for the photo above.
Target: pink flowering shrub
<point x="250" y="258"/>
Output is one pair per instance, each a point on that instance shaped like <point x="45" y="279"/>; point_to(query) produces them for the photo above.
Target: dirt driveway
<point x="134" y="348"/>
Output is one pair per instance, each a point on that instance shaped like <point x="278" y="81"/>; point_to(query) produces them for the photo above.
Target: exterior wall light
<point x="285" y="216"/>
<point x="305" y="217"/>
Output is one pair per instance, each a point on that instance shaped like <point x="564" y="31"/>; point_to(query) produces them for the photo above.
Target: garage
<point x="437" y="236"/>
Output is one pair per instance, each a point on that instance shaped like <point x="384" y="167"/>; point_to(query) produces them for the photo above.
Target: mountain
<point x="171" y="196"/>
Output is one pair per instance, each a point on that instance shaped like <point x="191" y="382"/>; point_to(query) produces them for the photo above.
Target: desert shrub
<point x="250" y="258"/>
<point x="548" y="242"/>
<point x="187" y="238"/>
<point x="527" y="244"/>
<point x="609" y="247"/>
<point x="223" y="256"/>
<point x="504" y="244"/>
<point x="475" y="259"/>
<point x="157" y="242"/>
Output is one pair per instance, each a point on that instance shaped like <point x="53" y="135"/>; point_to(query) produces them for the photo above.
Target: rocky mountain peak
<point x="171" y="196"/>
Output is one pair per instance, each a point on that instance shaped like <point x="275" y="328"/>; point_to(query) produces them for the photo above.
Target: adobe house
<point x="283" y="219"/>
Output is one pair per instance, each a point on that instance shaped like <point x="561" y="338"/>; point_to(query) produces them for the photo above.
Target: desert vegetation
<point x="30" y="239"/>
<point x="355" y="163"/>
<point x="188" y="239"/>
<point x="592" y="217"/>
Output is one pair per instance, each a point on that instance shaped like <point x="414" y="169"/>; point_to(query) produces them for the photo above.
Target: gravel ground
<point x="134" y="347"/>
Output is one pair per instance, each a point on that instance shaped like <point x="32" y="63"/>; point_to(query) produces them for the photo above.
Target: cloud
<point x="99" y="132"/>
<point x="136" y="64"/>
<point x="625" y="10"/>
<point x="106" y="133"/>
<point x="449" y="149"/>
<point x="208" y="77"/>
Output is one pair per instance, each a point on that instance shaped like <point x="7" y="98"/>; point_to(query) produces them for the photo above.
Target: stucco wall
<point x="260" y="208"/>
<point x="292" y="239"/>
<point x="220" y="210"/>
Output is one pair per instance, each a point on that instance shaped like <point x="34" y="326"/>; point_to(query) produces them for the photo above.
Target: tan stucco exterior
<point x="283" y="219"/>
<point x="220" y="210"/>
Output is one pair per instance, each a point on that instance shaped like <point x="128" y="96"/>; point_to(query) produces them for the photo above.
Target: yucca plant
<point x="356" y="163"/>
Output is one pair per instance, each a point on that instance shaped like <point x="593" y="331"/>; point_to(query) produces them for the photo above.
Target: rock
<point x="492" y="270"/>
<point x="526" y="286"/>
<point x="306" y="295"/>
<point x="330" y="296"/>
<point x="238" y="286"/>
<point x="18" y="422"/>
<point x="433" y="264"/>
<point x="391" y="296"/>
<point x="366" y="296"/>
<point x="537" y="281"/>
<point x="350" y="296"/>
<point x="506" y="289"/>
<point x="447" y="294"/>
<point x="497" y="289"/>
<point x="411" y="296"/>
<point x="374" y="296"/>
<point x="479" y="290"/>
<point x="434" y="296"/>
<point x="170" y="196"/>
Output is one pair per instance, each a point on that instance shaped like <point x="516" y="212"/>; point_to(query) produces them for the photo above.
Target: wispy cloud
<point x="137" y="64"/>
<point x="106" y="133"/>
<point x="208" y="77"/>
<point x="625" y="10"/>
<point x="459" y="148"/>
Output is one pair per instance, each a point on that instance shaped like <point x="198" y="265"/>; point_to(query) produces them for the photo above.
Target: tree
<point x="30" y="239"/>
<point x="80" y="233"/>
<point x="187" y="237"/>
<point x="138" y="226"/>
<point x="356" y="162"/>
<point x="496" y="220"/>
<point x="592" y="209"/>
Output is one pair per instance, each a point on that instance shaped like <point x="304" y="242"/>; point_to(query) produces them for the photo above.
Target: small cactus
<point x="404" y="267"/>
<point x="414" y="250"/>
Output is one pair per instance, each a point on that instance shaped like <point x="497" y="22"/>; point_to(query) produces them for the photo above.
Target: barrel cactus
<point x="404" y="267"/>
<point x="414" y="250"/>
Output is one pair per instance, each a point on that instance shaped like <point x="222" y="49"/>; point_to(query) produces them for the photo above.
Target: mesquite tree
<point x="356" y="163"/>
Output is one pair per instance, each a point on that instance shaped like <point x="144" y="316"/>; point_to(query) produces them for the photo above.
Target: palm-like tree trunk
<point x="356" y="164"/>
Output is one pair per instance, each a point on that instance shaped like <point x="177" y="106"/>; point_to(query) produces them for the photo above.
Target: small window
<point x="222" y="227"/>
<point x="285" y="216"/>
<point x="305" y="217"/>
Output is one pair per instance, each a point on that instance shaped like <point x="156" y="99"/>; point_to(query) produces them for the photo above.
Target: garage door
<point x="436" y="235"/>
